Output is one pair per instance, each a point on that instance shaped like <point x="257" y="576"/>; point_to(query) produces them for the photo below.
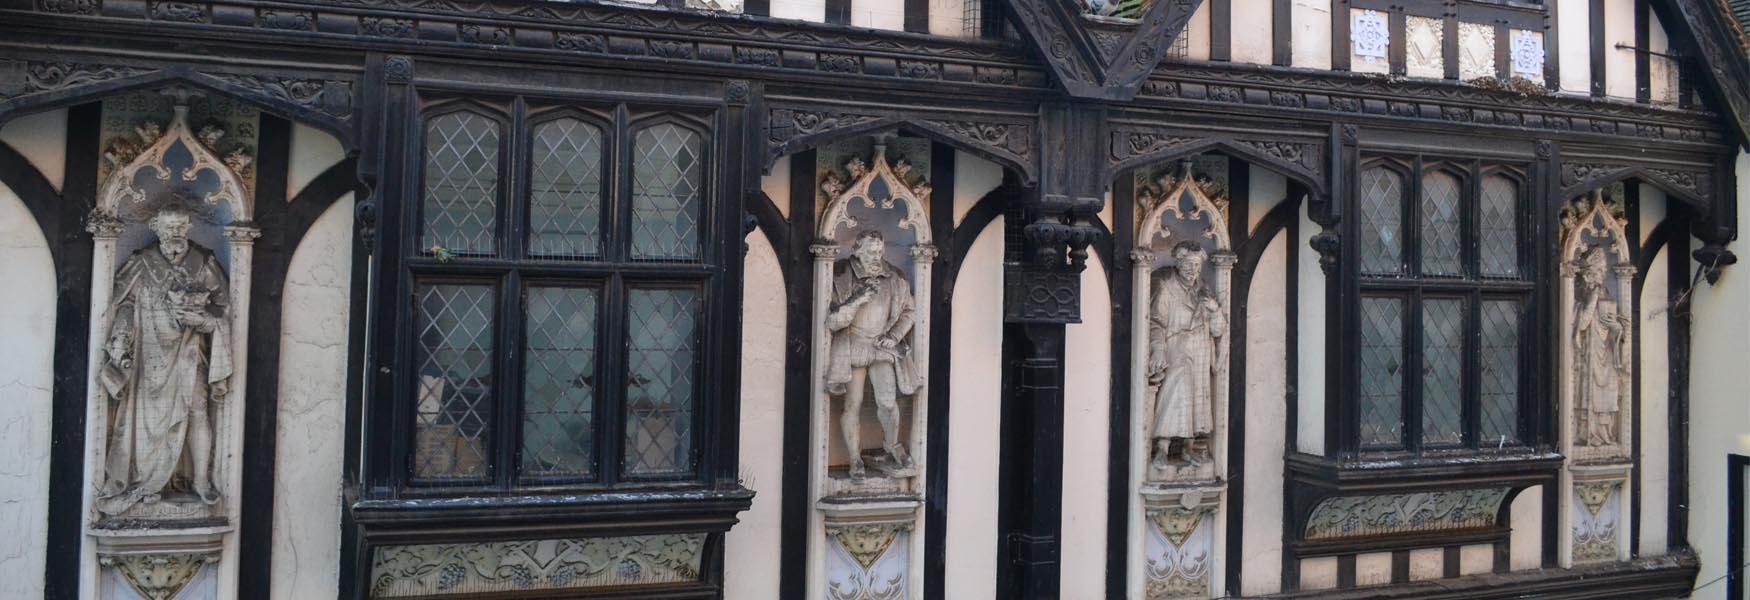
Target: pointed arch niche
<point x="1597" y="316"/>
<point x="1179" y="379"/>
<point x="169" y="147"/>
<point x="871" y="341"/>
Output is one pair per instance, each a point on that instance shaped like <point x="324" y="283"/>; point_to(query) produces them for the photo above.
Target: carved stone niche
<point x="872" y="259"/>
<point x="169" y="308"/>
<point x="1597" y="373"/>
<point x="1182" y="280"/>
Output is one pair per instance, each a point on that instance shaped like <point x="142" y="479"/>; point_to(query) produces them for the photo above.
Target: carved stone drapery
<point x="871" y="348"/>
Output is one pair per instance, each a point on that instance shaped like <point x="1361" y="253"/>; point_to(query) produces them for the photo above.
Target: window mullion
<point x="611" y="395"/>
<point x="508" y="412"/>
<point x="1471" y="404"/>
<point x="1413" y="367"/>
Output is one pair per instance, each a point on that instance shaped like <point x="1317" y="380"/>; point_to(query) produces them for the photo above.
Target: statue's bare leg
<point x="887" y="410"/>
<point x="200" y="449"/>
<point x="851" y="420"/>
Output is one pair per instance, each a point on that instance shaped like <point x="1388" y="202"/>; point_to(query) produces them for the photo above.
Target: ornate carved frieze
<point x="69" y="7"/>
<point x="553" y="565"/>
<point x="332" y="97"/>
<point x="33" y="77"/>
<point x="1396" y="514"/>
<point x="1133" y="144"/>
<point x="790" y="129"/>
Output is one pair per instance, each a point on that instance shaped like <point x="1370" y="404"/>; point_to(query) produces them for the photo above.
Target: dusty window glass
<point x="1499" y="228"/>
<point x="565" y="190"/>
<point x="454" y="385"/>
<point x="1382" y="221"/>
<point x="667" y="180"/>
<point x="1382" y="372"/>
<point x="1442" y="365"/>
<point x="460" y="207"/>
<point x="1441" y="224"/>
<point x="662" y="360"/>
<point x="559" y="382"/>
<point x="1500" y="376"/>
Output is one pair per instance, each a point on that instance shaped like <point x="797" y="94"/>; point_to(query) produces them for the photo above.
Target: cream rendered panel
<point x="804" y="10"/>
<point x="313" y="151"/>
<point x="1197" y="34"/>
<point x="878" y="14"/>
<point x="1655" y="417"/>
<point x="1719" y="417"/>
<point x="1312" y="33"/>
<point x="42" y="139"/>
<point x="975" y="419"/>
<point x="27" y="324"/>
<point x="1427" y="563"/>
<point x="1573" y="19"/>
<point x="777" y="185"/>
<point x="750" y="571"/>
<point x="1663" y="71"/>
<point x="1266" y="414"/>
<point x="948" y="18"/>
<point x="1373" y="568"/>
<point x="1525" y="544"/>
<point x="1476" y="559"/>
<point x="1310" y="375"/>
<point x="973" y="178"/>
<point x="1087" y="438"/>
<point x="1251" y="39"/>
<point x="1619" y="61"/>
<point x="1318" y="573"/>
<point x="310" y="453"/>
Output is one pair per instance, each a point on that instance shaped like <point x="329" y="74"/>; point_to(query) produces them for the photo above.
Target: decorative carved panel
<point x="1401" y="514"/>
<point x="1369" y="38"/>
<point x="1597" y="520"/>
<point x="1526" y="52"/>
<point x="554" y="565"/>
<point x="1476" y="51"/>
<point x="1424" y="47"/>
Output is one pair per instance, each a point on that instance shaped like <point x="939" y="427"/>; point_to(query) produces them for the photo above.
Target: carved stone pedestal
<point x="1180" y="551"/>
<point x="1598" y="511"/>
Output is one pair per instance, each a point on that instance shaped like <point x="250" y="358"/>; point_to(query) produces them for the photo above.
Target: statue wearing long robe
<point x="1601" y="356"/>
<point x="1185" y="324"/>
<point x="168" y="354"/>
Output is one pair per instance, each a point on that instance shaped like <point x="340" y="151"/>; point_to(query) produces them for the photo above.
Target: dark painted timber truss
<point x="785" y="88"/>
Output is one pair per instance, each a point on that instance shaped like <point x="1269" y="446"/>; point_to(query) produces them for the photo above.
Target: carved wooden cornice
<point x="1008" y="139"/>
<point x="1692" y="185"/>
<point x="1347" y="96"/>
<point x="1296" y="155"/>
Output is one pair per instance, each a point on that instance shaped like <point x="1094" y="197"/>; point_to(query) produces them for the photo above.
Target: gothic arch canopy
<point x="323" y="101"/>
<point x="1009" y="142"/>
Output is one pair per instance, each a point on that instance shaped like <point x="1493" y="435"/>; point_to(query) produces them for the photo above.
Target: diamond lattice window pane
<point x="565" y="190"/>
<point x="1381" y="221"/>
<point x="662" y="356"/>
<point x="453" y="363"/>
<point x="460" y="209"/>
<point x="1500" y="376"/>
<point x="1440" y="224"/>
<point x="666" y="187"/>
<point x="1500" y="228"/>
<point x="1382" y="373"/>
<point x="1442" y="362"/>
<point x="559" y="373"/>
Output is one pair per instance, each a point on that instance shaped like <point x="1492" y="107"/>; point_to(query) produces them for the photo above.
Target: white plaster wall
<point x="1525" y="544"/>
<point x="1318" y="573"/>
<point x="777" y="185"/>
<point x="1427" y="563"/>
<point x="1573" y="19"/>
<point x="1087" y="438"/>
<point x="1373" y="568"/>
<point x="309" y="455"/>
<point x="1251" y="41"/>
<point x="27" y="324"/>
<point x="1197" y="34"/>
<point x="1266" y="414"/>
<point x="313" y="151"/>
<point x="975" y="418"/>
<point x="948" y="18"/>
<point x="1663" y="72"/>
<point x="750" y="571"/>
<point x="805" y="10"/>
<point x="1312" y="33"/>
<point x="1619" y="62"/>
<point x="42" y="139"/>
<point x="1655" y="416"/>
<point x="1719" y="420"/>
<point x="1476" y="559"/>
<point x="973" y="178"/>
<point x="1310" y="384"/>
<point x="878" y="14"/>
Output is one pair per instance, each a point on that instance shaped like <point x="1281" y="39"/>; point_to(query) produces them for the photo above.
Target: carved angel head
<point x="238" y="160"/>
<point x="857" y="167"/>
<point x="149" y="131"/>
<point x="833" y="185"/>
<point x="211" y="134"/>
<point x="901" y="167"/>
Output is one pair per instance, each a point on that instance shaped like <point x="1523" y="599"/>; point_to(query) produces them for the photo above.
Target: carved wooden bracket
<point x="1694" y="187"/>
<point x="1101" y="58"/>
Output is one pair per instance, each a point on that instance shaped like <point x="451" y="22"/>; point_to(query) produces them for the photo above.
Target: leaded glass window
<point x="1440" y="325"/>
<point x="559" y="272"/>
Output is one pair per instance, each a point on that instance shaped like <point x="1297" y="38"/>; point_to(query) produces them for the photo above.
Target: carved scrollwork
<point x="286" y="20"/>
<point x="1011" y="137"/>
<point x="398" y="69"/>
<point x="1305" y="156"/>
<point x="158" y="576"/>
<point x="69" y="7"/>
<point x="184" y="12"/>
<point x="49" y="76"/>
<point x="1140" y="143"/>
<point x="548" y="564"/>
<point x="579" y="42"/>
<point x="1397" y="514"/>
<point x="332" y="97"/>
<point x="388" y="27"/>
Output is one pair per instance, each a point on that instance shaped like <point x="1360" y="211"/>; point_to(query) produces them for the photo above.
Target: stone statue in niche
<point x="871" y="319"/>
<point x="166" y="358"/>
<point x="1184" y="359"/>
<point x="1601" y="352"/>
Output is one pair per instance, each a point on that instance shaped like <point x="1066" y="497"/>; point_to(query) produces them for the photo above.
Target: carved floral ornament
<point x="531" y="565"/>
<point x="1389" y="514"/>
<point x="158" y="576"/>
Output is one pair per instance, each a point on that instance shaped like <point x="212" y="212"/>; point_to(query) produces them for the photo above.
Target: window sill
<point x="436" y="520"/>
<point x="1370" y="475"/>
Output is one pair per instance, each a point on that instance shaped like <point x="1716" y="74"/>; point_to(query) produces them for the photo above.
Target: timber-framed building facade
<point x="873" y="299"/>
